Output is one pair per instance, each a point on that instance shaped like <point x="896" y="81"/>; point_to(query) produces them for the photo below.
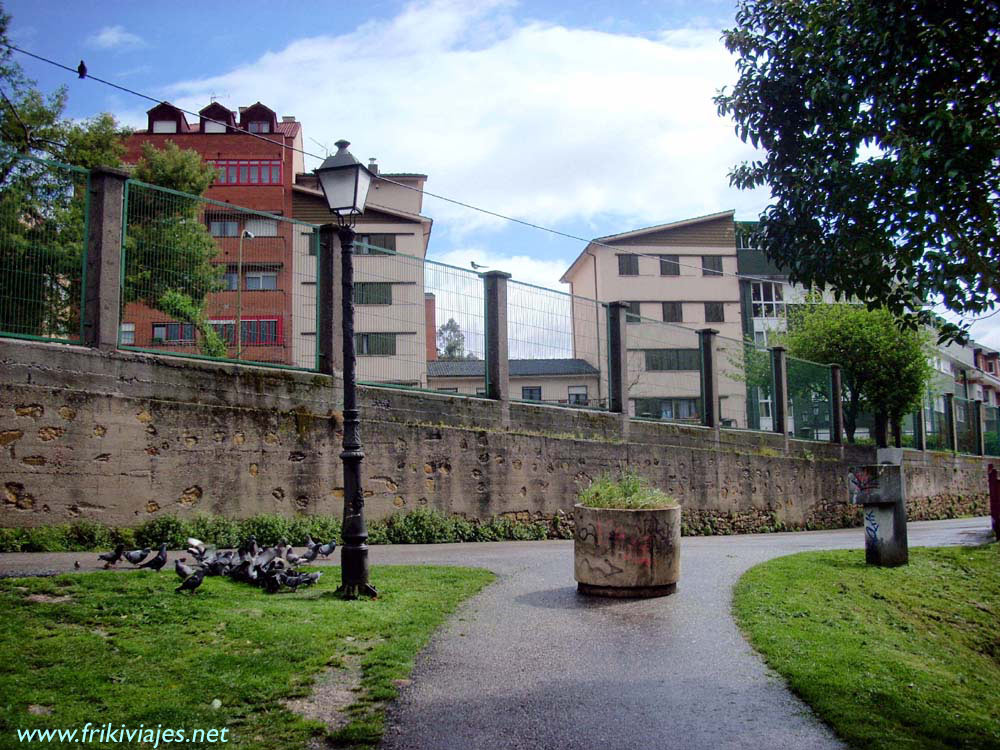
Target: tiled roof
<point x="289" y="128"/>
<point x="472" y="368"/>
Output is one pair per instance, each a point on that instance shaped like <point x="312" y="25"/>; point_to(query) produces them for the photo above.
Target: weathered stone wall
<point x="121" y="437"/>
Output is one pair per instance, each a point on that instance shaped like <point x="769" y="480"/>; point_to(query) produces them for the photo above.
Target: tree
<point x="451" y="342"/>
<point x="880" y="125"/>
<point x="884" y="369"/>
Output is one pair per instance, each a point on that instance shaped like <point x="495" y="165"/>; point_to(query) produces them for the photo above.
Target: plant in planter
<point x="628" y="539"/>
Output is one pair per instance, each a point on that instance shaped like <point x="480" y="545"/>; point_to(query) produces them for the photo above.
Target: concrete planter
<point x="627" y="553"/>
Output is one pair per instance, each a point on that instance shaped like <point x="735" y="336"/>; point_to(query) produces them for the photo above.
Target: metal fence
<point x="936" y="433"/>
<point x="746" y="385"/>
<point x="965" y="425"/>
<point x="664" y="370"/>
<point x="44" y="206"/>
<point x="810" y="400"/>
<point x="204" y="278"/>
<point x="991" y="430"/>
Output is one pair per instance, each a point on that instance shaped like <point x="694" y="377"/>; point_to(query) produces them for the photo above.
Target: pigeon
<point x="293" y="581"/>
<point x="184" y="571"/>
<point x="110" y="558"/>
<point x="196" y="548"/>
<point x="309" y="542"/>
<point x="192" y="582"/>
<point x="292" y="557"/>
<point x="155" y="563"/>
<point x="310" y="554"/>
<point x="81" y="69"/>
<point x="136" y="556"/>
<point x="76" y="564"/>
<point x="327" y="549"/>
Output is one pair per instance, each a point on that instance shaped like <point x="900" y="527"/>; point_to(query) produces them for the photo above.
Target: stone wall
<point x="120" y="438"/>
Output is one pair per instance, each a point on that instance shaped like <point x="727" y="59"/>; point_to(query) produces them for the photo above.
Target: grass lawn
<point x="890" y="657"/>
<point x="124" y="648"/>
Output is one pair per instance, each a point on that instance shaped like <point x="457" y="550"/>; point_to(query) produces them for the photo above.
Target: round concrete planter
<point x="627" y="553"/>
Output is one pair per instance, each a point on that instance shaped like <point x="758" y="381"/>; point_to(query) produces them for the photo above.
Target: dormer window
<point x="164" y="126"/>
<point x="211" y="126"/>
<point x="259" y="126"/>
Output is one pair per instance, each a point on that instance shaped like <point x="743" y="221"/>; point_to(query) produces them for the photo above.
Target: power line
<point x="453" y="201"/>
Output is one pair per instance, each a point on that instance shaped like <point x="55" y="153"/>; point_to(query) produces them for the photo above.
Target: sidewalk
<point x="530" y="664"/>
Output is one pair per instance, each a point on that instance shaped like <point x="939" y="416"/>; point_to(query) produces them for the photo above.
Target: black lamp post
<point x="345" y="182"/>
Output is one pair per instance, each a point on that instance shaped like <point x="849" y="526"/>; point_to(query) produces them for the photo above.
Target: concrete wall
<point x="121" y="438"/>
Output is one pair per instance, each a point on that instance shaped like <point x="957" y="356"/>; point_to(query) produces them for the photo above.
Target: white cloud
<point x="539" y="121"/>
<point x="115" y="38"/>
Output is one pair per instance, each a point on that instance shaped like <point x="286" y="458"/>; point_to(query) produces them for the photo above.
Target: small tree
<point x="884" y="369"/>
<point x="451" y="342"/>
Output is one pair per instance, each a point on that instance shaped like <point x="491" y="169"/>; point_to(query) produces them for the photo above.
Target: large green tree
<point x="879" y="124"/>
<point x="884" y="368"/>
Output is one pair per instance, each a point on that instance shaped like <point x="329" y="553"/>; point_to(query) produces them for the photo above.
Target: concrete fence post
<point x="102" y="294"/>
<point x="951" y="429"/>
<point x="980" y="417"/>
<point x="836" y="405"/>
<point x="709" y="378"/>
<point x="779" y="367"/>
<point x="617" y="358"/>
<point x="497" y="358"/>
<point x="329" y="317"/>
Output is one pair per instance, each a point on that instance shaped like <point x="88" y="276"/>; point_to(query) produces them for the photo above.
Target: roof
<point x="289" y="128"/>
<point x="307" y="190"/>
<point x="646" y="230"/>
<point x="401" y="174"/>
<point x="472" y="368"/>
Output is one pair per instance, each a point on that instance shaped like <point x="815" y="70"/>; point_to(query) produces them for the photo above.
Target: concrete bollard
<point x="881" y="491"/>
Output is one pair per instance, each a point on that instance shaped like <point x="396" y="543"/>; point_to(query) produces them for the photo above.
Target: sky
<point x="591" y="118"/>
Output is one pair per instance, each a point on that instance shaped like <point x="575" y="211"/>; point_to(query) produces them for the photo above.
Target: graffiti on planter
<point x="871" y="527"/>
<point x="861" y="484"/>
<point x="635" y="546"/>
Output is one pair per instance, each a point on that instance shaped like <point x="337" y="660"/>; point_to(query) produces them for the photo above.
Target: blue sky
<point x="589" y="117"/>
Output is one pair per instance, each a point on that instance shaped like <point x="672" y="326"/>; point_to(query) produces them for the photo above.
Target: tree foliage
<point x="451" y="342"/>
<point x="880" y="126"/>
<point x="884" y="369"/>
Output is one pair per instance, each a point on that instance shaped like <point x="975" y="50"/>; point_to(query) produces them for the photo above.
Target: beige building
<point x="392" y="238"/>
<point x="569" y="382"/>
<point x="677" y="278"/>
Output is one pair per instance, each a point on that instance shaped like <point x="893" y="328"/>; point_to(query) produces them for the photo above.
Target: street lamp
<point x="345" y="182"/>
<point x="239" y="295"/>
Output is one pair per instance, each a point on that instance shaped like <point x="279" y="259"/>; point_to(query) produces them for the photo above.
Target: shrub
<point x="267" y="528"/>
<point x="216" y="531"/>
<point x="166" y="529"/>
<point x="87" y="535"/>
<point x="628" y="491"/>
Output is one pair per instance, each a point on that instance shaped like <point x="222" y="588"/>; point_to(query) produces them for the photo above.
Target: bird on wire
<point x="192" y="582"/>
<point x="476" y="266"/>
<point x="157" y="562"/>
<point x="136" y="556"/>
<point x="81" y="69"/>
<point x="112" y="557"/>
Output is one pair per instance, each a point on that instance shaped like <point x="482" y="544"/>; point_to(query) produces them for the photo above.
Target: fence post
<point x="617" y="358"/>
<point x="836" y="405"/>
<point x="951" y="430"/>
<point x="920" y="429"/>
<point x="329" y="346"/>
<point x="103" y="292"/>
<point x="497" y="362"/>
<point x="779" y="366"/>
<point x="709" y="378"/>
<point x="980" y="417"/>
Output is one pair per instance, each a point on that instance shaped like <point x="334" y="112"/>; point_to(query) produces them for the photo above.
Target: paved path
<point x="530" y="664"/>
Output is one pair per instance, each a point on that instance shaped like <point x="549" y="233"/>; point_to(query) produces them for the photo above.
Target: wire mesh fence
<point x="810" y="396"/>
<point x="991" y="430"/>
<point x="663" y="371"/>
<point x="558" y="347"/>
<point x="746" y="384"/>
<point x="936" y="424"/>
<point x="965" y="426"/>
<point x="203" y="278"/>
<point x="43" y="239"/>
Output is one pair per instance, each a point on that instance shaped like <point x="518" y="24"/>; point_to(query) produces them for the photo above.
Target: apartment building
<point x="255" y="172"/>
<point x="677" y="278"/>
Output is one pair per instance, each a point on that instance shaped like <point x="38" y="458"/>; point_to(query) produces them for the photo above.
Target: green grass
<point x="627" y="491"/>
<point x="125" y="649"/>
<point x="903" y="657"/>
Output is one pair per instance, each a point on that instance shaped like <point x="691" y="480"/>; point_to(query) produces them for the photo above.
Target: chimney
<point x="242" y="110"/>
<point x="372" y="165"/>
<point x="430" y="318"/>
<point x="288" y="118"/>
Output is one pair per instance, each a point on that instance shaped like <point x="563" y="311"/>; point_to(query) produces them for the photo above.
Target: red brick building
<point x="253" y="172"/>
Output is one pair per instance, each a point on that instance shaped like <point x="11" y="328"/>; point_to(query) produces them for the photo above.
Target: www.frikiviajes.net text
<point x="104" y="733"/>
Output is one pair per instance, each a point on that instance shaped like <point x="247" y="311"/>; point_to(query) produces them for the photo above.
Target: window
<point x="670" y="265"/>
<point x="446" y="390"/>
<point x="480" y="391"/>
<point x="210" y="126"/>
<point x="760" y="338"/>
<point x="989" y="365"/>
<point x="767" y="299"/>
<point x="164" y="126"/>
<point x="219" y="226"/>
<point x="667" y="408"/>
<point x="373" y="293"/>
<point x="230" y="280"/>
<point x="673" y="312"/>
<point x="715" y="312"/>
<point x="628" y="265"/>
<point x="764" y="402"/>
<point x="262" y="227"/>
<point x="531" y="393"/>
<point x="660" y="360"/>
<point x="632" y="314"/>
<point x="260" y="332"/>
<point x="247" y="171"/>
<point x="374" y="344"/>
<point x="173" y="333"/>
<point x="126" y="333"/>
<point x="375" y="244"/>
<point x="711" y="265"/>
<point x="577" y="395"/>
<point x="259" y="126"/>
<point x="261" y="280"/>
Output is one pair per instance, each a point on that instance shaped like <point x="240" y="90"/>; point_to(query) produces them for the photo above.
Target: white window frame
<point x="260" y="276"/>
<point x="126" y="334"/>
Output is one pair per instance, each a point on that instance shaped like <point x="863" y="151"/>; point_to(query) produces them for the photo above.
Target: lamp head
<point x="345" y="182"/>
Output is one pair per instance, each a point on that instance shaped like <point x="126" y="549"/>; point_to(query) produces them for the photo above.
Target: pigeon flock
<point x="270" y="568"/>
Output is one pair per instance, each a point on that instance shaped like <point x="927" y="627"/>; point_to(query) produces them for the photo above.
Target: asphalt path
<point x="529" y="663"/>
